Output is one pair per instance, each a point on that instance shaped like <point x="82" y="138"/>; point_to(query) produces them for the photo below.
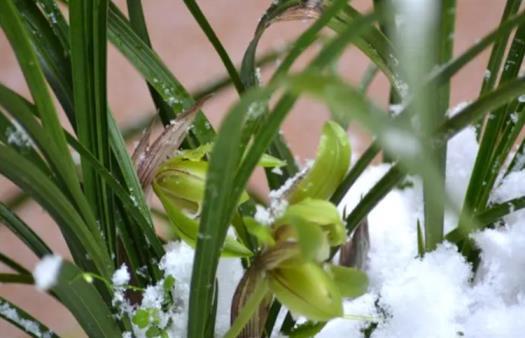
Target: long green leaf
<point x="452" y="126"/>
<point x="84" y="302"/>
<point x="156" y="73"/>
<point x="13" y="265"/>
<point x="20" y="41"/>
<point x="15" y="135"/>
<point x="129" y="204"/>
<point x="216" y="43"/>
<point x="47" y="32"/>
<point x="52" y="64"/>
<point x="81" y="240"/>
<point x="437" y="106"/>
<point x="16" y="278"/>
<point x="216" y="213"/>
<point x="88" y="59"/>
<point x="496" y="56"/>
<point x="23" y="320"/>
<point x="373" y="44"/>
<point x="23" y="231"/>
<point x="138" y="23"/>
<point x="442" y="74"/>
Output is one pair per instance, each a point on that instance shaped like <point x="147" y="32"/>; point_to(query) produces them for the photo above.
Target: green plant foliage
<point x="100" y="206"/>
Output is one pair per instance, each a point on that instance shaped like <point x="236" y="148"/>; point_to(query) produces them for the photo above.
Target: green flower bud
<point x="329" y="168"/>
<point x="183" y="182"/>
<point x="182" y="179"/>
<point x="187" y="228"/>
<point x="306" y="289"/>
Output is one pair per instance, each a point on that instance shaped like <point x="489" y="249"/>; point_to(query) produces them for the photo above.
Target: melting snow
<point x="46" y="272"/>
<point x="437" y="296"/>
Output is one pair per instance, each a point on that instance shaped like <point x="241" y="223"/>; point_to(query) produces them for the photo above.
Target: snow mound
<point x="46" y="272"/>
<point x="436" y="296"/>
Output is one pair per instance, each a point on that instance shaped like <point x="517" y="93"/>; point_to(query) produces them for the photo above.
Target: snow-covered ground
<point x="437" y="296"/>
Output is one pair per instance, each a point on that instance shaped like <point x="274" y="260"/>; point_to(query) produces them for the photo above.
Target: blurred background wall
<point x="184" y="48"/>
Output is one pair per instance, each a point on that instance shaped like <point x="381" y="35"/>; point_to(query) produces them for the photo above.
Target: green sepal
<point x="319" y="212"/>
<point x="306" y="289"/>
<point x="351" y="282"/>
<point x="310" y="237"/>
<point x="259" y="231"/>
<point x="195" y="154"/>
<point x="269" y="161"/>
<point x="183" y="181"/>
<point x="330" y="166"/>
<point x="187" y="229"/>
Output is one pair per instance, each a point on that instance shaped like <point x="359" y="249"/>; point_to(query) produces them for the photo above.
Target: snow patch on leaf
<point x="46" y="272"/>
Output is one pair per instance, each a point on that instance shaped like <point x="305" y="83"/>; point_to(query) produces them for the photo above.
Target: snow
<point x="362" y="306"/>
<point x="396" y="109"/>
<point x="121" y="276"/>
<point x="401" y="142"/>
<point x="178" y="263"/>
<point x="510" y="187"/>
<point x="503" y="261"/>
<point x="460" y="161"/>
<point x="437" y="296"/>
<point x="16" y="135"/>
<point x="46" y="272"/>
<point x="280" y="193"/>
<point x="424" y="298"/>
<point x="262" y="215"/>
<point x="457" y="108"/>
<point x="277" y="171"/>
<point x="9" y="312"/>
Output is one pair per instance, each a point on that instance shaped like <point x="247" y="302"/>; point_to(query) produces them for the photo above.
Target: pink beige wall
<point x="188" y="54"/>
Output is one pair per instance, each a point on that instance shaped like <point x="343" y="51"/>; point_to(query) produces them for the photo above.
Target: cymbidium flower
<point x="297" y="243"/>
<point x="179" y="184"/>
<point x="329" y="168"/>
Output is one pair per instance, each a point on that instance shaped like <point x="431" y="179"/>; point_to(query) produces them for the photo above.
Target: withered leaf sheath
<point x="355" y="251"/>
<point x="255" y="326"/>
<point x="148" y="158"/>
<point x="303" y="11"/>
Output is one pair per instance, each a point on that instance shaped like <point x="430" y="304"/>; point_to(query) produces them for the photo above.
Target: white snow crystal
<point x="277" y="171"/>
<point x="502" y="266"/>
<point x="262" y="215"/>
<point x="461" y="154"/>
<point x="46" y="272"/>
<point x="510" y="187"/>
<point x="121" y="276"/>
<point x="437" y="296"/>
<point x="348" y="327"/>
<point x="401" y="142"/>
<point x="425" y="298"/>
<point x="178" y="262"/>
<point x="16" y="135"/>
<point x="396" y="109"/>
<point x="12" y="314"/>
<point x="457" y="108"/>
